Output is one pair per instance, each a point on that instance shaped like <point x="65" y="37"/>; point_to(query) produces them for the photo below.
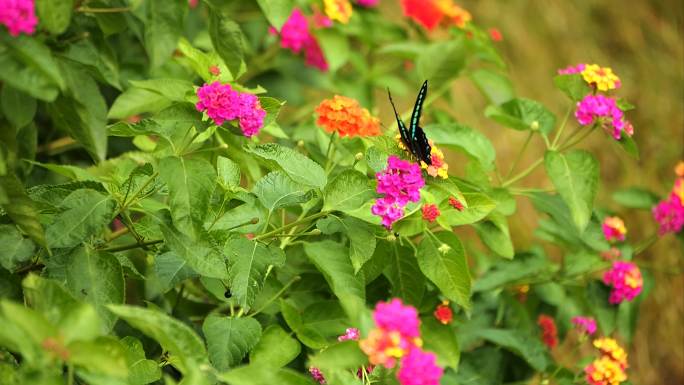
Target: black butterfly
<point x="414" y="137"/>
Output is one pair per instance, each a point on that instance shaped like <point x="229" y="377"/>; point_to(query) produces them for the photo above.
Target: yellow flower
<point x="459" y="16"/>
<point x="438" y="168"/>
<point x="602" y="77"/>
<point x="340" y="10"/>
<point x="605" y="371"/>
<point x="610" y="349"/>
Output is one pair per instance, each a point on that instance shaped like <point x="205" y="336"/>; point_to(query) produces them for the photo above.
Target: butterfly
<point x="414" y="137"/>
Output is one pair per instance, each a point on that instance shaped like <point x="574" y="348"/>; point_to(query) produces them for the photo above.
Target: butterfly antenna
<point x="396" y="114"/>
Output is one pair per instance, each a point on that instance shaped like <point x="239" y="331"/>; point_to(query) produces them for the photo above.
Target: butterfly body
<point x="413" y="136"/>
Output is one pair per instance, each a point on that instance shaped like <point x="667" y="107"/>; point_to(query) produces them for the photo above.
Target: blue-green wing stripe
<point x="417" y="109"/>
<point x="403" y="131"/>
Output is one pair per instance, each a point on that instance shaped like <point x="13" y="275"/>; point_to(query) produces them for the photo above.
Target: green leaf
<point x="629" y="146"/>
<point x="172" y="89"/>
<point x="276" y="348"/>
<point x="171" y="270"/>
<point x="297" y="166"/>
<point x="276" y="11"/>
<point x="339" y="357"/>
<point x="18" y="107"/>
<point x="574" y="86"/>
<point x="277" y="190"/>
<point x="248" y="263"/>
<point x="521" y="114"/>
<point x="97" y="278"/>
<point x="308" y="336"/>
<point x="524" y="268"/>
<point x="191" y="183"/>
<point x="200" y="62"/>
<point x="20" y="208"/>
<point x="477" y="206"/>
<point x="335" y="47"/>
<point x="494" y="85"/>
<point x="174" y="336"/>
<point x="440" y="339"/>
<point x="228" y="173"/>
<point x="441" y="61"/>
<point x="443" y="262"/>
<point x="635" y="198"/>
<point x="14" y="248"/>
<point x="54" y="15"/>
<point x="28" y="65"/>
<point x="361" y="237"/>
<point x="227" y="39"/>
<point x="230" y="339"/>
<point x="494" y="233"/>
<point x="100" y="62"/>
<point x="85" y="213"/>
<point x="104" y="356"/>
<point x="136" y="101"/>
<point x="332" y="260"/>
<point x="525" y="346"/>
<point x="163" y="28"/>
<point x="260" y="375"/>
<point x="348" y="191"/>
<point x="199" y="253"/>
<point x="23" y="328"/>
<point x="403" y="272"/>
<point x="465" y="139"/>
<point x="140" y="370"/>
<point x="575" y="176"/>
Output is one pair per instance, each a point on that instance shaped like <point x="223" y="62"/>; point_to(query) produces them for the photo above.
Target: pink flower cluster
<point x="625" y="280"/>
<point x="400" y="183"/>
<point x="586" y="325"/>
<point x="19" y="16"/>
<point x="397" y="337"/>
<point x="351" y="334"/>
<point x="295" y="36"/>
<point x="669" y="213"/>
<point x="222" y="103"/>
<point x="317" y="375"/>
<point x="367" y="3"/>
<point x="572" y="70"/>
<point x="604" y="110"/>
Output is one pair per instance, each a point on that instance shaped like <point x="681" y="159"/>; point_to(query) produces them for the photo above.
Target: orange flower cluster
<point x="609" y="369"/>
<point x="430" y="13"/>
<point x="346" y="117"/>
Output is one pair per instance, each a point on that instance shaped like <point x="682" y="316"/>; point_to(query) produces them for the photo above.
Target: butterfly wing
<point x="419" y="143"/>
<point x="403" y="131"/>
<point x="422" y="148"/>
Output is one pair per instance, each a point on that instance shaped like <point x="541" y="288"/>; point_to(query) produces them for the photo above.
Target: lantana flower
<point x="604" y="371"/>
<point x="438" y="168"/>
<point x="604" y="111"/>
<point x="296" y="36"/>
<point x="222" y="103"/>
<point x="430" y="13"/>
<point x="339" y="10"/>
<point x="317" y="375"/>
<point x="614" y="229"/>
<point x="443" y="313"/>
<point x="549" y="330"/>
<point x="669" y="213"/>
<point x="455" y="203"/>
<point x="19" y="16"/>
<point x="571" y="70"/>
<point x="367" y="3"/>
<point x="419" y="368"/>
<point x="399" y="183"/>
<point x="625" y="280"/>
<point x="611" y="349"/>
<point x="602" y="78"/>
<point x="430" y="212"/>
<point x="346" y="117"/>
<point x="585" y="325"/>
<point x="351" y="334"/>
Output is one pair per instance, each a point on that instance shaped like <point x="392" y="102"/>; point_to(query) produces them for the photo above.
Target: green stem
<point x="524" y="173"/>
<point x="648" y="242"/>
<point x="103" y="10"/>
<point x="132" y="246"/>
<point x="70" y="374"/>
<point x="520" y="154"/>
<point x="561" y="128"/>
<point x="276" y="296"/>
<point x="290" y="225"/>
<point x="330" y="153"/>
<point x="567" y="145"/>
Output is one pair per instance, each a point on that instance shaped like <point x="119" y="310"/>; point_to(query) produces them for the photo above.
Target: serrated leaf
<point x="277" y="190"/>
<point x="525" y="346"/>
<point x="227" y="39"/>
<point x="248" y="262"/>
<point x="403" y="272"/>
<point x="20" y="208"/>
<point x="574" y="86"/>
<point x="230" y="339"/>
<point x="440" y="339"/>
<point x="260" y="375"/>
<point x="446" y="266"/>
<point x="521" y="114"/>
<point x="276" y="11"/>
<point x="494" y="233"/>
<point x="463" y="138"/>
<point x="136" y="101"/>
<point x="293" y="317"/>
<point x="85" y="213"/>
<point x="202" y="257"/>
<point x="228" y="173"/>
<point x="14" y="248"/>
<point x="28" y="65"/>
<point x="348" y="191"/>
<point x="172" y="89"/>
<point x="477" y="206"/>
<point x="361" y="237"/>
<point x="297" y="166"/>
<point x="171" y="270"/>
<point x="524" y="267"/>
<point x="332" y="260"/>
<point x="163" y="28"/>
<point x="575" y="176"/>
<point x="140" y="370"/>
<point x="276" y="348"/>
<point x="18" y="107"/>
<point x="339" y="357"/>
<point x="54" y="15"/>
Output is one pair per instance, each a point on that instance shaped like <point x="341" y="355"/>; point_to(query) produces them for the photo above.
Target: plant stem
<point x="561" y="128"/>
<point x="276" y="296"/>
<point x="58" y="146"/>
<point x="330" y="153"/>
<point x="567" y="145"/>
<point x="520" y="154"/>
<point x="524" y="173"/>
<point x="290" y="225"/>
<point x="103" y="10"/>
<point x="132" y="246"/>
<point x="645" y="244"/>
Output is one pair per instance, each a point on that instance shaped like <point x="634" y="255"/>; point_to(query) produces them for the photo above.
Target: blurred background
<point x="643" y="42"/>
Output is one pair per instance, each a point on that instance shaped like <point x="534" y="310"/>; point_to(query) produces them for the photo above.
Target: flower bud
<point x="300" y="143"/>
<point x="534" y="126"/>
<point x="358" y="156"/>
<point x="444" y="248"/>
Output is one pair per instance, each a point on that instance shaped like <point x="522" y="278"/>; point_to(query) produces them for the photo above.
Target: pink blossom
<point x="193" y="3"/>
<point x="395" y="316"/>
<point x="313" y="55"/>
<point x="400" y="183"/>
<point x="625" y="280"/>
<point x="669" y="214"/>
<point x="430" y="212"/>
<point x="419" y="368"/>
<point x="572" y="69"/>
<point x="613" y="229"/>
<point x="603" y="110"/>
<point x="295" y="32"/>
<point x="350" y="334"/>
<point x="19" y="16"/>
<point x="388" y="209"/>
<point x="367" y="3"/>
<point x="222" y="103"/>
<point x="584" y="324"/>
<point x="317" y="375"/>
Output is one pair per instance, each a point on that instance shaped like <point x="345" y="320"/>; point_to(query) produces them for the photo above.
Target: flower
<point x="611" y="349"/>
<point x="443" y="313"/>
<point x="438" y="168"/>
<point x="604" y="371"/>
<point x="320" y="20"/>
<point x="495" y="34"/>
<point x="430" y="212"/>
<point x="549" y="331"/>
<point x="346" y="117"/>
<point x="193" y="3"/>
<point x="611" y="254"/>
<point x="294" y="34"/>
<point x="585" y="325"/>
<point x="669" y="214"/>
<point x="384" y="347"/>
<point x="214" y="70"/>
<point x="614" y="229"/>
<point x="340" y="10"/>
<point x="625" y="280"/>
<point x="603" y="110"/>
<point x="313" y="55"/>
<point x="429" y="13"/>
<point x="367" y="3"/>
<point x="419" y="368"/>
<point x="576" y="69"/>
<point x="602" y="78"/>
<point x="317" y="375"/>
<point x="222" y="103"/>
<point x="349" y="334"/>
<point x="400" y="183"/>
<point x="395" y="316"/>
<point x="19" y="16"/>
<point x="455" y="203"/>
<point x="679" y="169"/>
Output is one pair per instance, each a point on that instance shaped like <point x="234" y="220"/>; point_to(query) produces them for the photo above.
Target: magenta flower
<point x="317" y="375"/>
<point x="613" y="229"/>
<point x="313" y="55"/>
<point x="572" y="69"/>
<point x="400" y="183"/>
<point x="603" y="110"/>
<point x="367" y="3"/>
<point x="419" y="368"/>
<point x="222" y="103"/>
<point x="19" y="16"/>
<point x="669" y="214"/>
<point x="295" y="32"/>
<point x="625" y="280"/>
<point x="585" y="325"/>
<point x="350" y="334"/>
<point x="395" y="316"/>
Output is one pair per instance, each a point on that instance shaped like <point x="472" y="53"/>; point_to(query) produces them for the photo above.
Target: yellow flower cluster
<point x="438" y="168"/>
<point x="602" y="77"/>
<point x="340" y="10"/>
<point x="609" y="369"/>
